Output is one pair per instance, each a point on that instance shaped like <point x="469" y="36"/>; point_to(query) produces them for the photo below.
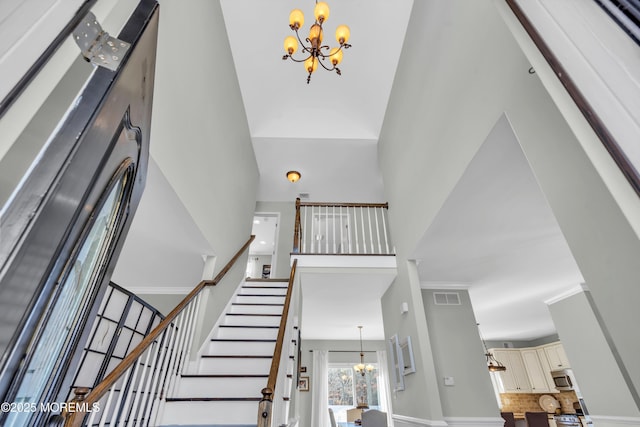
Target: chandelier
<point x="493" y="364"/>
<point x="361" y="368"/>
<point x="315" y="51"/>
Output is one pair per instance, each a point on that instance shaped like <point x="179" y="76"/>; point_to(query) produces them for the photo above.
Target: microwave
<point x="563" y="379"/>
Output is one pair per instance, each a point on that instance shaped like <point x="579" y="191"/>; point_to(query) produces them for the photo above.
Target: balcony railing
<point x="342" y="229"/>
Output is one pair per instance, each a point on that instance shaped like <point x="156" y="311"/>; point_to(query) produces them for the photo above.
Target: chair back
<point x="354" y="414"/>
<point x="374" y="418"/>
<point x="332" y="417"/>
<point x="509" y="419"/>
<point x="536" y="419"/>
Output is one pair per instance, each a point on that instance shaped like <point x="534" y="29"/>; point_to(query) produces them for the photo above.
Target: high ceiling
<point x="495" y="235"/>
<point x="327" y="129"/>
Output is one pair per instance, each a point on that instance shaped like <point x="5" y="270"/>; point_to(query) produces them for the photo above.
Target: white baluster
<point x="384" y="230"/>
<point x="370" y="230"/>
<point x="326" y="230"/>
<point x="334" y="228"/>
<point x="304" y="231"/>
<point x="378" y="229"/>
<point x="139" y="389"/>
<point x="341" y="232"/>
<point x="364" y="243"/>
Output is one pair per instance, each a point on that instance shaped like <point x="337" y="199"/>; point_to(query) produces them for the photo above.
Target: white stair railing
<point x="342" y="229"/>
<point x="132" y="393"/>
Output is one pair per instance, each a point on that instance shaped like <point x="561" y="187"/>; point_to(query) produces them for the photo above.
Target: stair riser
<point x="264" y="291"/>
<point x="220" y="387"/>
<point x="232" y="348"/>
<point x="256" y="309"/>
<point x="260" y="300"/>
<point x="252" y="320"/>
<point x="248" y="333"/>
<point x="179" y="413"/>
<point x="234" y="366"/>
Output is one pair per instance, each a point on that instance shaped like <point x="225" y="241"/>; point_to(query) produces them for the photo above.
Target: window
<point x="346" y="389"/>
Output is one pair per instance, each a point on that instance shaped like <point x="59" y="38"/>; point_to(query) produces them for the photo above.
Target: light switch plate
<point x="449" y="381"/>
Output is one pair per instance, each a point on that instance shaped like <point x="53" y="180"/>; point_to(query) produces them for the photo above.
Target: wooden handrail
<point x="74" y="419"/>
<point x="269" y="390"/>
<point x="345" y="205"/>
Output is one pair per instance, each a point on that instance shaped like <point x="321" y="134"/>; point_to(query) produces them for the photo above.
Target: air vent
<point x="446" y="298"/>
<point x="303" y="195"/>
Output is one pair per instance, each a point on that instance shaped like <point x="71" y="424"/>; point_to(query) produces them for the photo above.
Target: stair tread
<point x="256" y="303"/>
<point x="225" y="376"/>
<point x="241" y="340"/>
<point x="213" y="399"/>
<point x="264" y="287"/>
<point x="261" y="295"/>
<point x="236" y="356"/>
<point x="249" y="326"/>
<point x="254" y="314"/>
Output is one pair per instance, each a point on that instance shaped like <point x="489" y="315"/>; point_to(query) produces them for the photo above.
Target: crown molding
<point x="578" y="289"/>
<point x="457" y="286"/>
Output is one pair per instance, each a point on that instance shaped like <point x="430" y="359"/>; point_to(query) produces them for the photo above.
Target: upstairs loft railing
<point x="342" y="229"/>
<point x="274" y="406"/>
<point x="131" y="394"/>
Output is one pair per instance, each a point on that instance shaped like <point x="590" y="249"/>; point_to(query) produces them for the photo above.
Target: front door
<point x="64" y="226"/>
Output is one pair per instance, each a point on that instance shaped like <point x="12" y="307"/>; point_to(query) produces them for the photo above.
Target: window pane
<point x="340" y="387"/>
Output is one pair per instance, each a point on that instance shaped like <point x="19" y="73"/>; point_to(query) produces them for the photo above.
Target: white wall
<point x="436" y="120"/>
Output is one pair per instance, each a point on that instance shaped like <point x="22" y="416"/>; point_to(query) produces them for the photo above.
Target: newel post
<point x="296" y="230"/>
<point x="265" y="408"/>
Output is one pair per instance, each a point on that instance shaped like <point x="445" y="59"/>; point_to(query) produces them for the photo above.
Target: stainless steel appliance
<point x="567" y="420"/>
<point x="563" y="379"/>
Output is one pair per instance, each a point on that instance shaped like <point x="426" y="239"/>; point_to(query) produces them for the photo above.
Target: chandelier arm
<point x="324" y="66"/>
<point x="298" y="60"/>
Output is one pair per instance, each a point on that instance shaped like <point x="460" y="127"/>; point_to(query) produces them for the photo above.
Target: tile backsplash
<point x="528" y="402"/>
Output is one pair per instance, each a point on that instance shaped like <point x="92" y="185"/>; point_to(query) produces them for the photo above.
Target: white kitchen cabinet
<point x="535" y="371"/>
<point x="557" y="357"/>
<point x="515" y="379"/>
<point x="546" y="369"/>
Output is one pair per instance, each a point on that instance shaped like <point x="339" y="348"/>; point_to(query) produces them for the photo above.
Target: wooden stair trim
<point x="249" y="326"/>
<point x="257" y="303"/>
<point x="235" y="356"/>
<point x="264" y="287"/>
<point x="213" y="399"/>
<point x="225" y="376"/>
<point x="261" y="295"/>
<point x="254" y="314"/>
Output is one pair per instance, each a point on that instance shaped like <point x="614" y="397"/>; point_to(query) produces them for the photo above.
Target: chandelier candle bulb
<point x="296" y="19"/>
<point x="321" y="11"/>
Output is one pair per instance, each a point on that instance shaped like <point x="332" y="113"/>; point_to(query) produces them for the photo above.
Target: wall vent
<point x="446" y="298"/>
<point x="507" y="344"/>
<point x="303" y="195"/>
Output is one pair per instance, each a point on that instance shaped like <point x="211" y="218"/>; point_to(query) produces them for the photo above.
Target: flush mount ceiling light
<point x="293" y="176"/>
<point x="314" y="48"/>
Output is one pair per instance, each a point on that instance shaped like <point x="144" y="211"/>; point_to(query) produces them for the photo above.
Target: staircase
<point x="234" y="366"/>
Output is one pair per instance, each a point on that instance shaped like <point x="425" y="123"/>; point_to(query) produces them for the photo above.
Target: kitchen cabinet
<point x="515" y="379"/>
<point x="546" y="369"/>
<point x="535" y="370"/>
<point x="557" y="357"/>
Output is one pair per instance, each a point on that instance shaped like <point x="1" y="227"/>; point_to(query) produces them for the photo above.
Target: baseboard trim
<point x="615" y="420"/>
<point x="474" y="421"/>
<point x="405" y="421"/>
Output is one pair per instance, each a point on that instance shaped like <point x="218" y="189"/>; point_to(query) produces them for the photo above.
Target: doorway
<point x="262" y="252"/>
